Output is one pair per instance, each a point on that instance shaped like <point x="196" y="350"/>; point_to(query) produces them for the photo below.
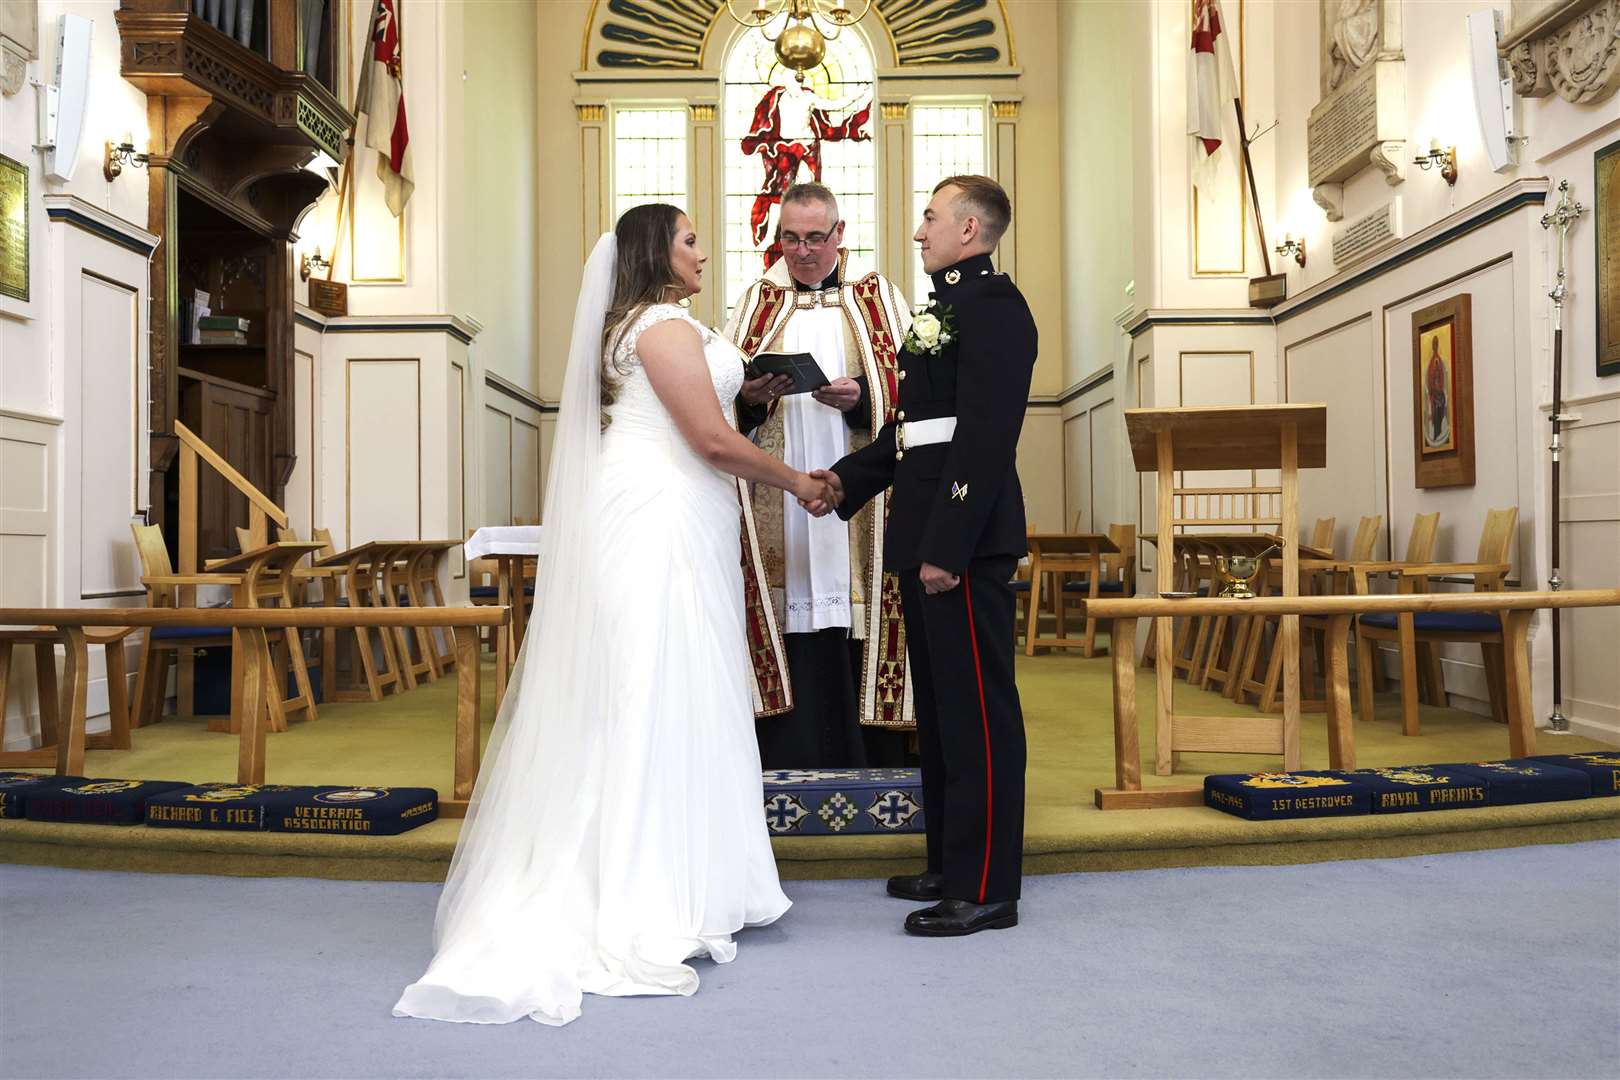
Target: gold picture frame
<point x="1606" y="248"/>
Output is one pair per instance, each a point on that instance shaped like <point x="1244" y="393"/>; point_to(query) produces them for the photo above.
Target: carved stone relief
<point x="1360" y="120"/>
<point x="1567" y="47"/>
<point x="19" y="42"/>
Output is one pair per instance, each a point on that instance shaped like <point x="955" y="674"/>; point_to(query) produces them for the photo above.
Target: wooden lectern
<point x="1283" y="437"/>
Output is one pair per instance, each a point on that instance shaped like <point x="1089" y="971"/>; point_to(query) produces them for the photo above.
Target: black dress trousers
<point x="970" y="729"/>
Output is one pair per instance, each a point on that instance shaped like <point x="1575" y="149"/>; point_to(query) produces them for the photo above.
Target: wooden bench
<point x="253" y="681"/>
<point x="1200" y="734"/>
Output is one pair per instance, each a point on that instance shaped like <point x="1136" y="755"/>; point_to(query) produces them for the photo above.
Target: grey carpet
<point x="1498" y="963"/>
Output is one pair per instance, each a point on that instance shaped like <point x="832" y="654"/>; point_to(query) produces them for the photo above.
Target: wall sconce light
<point x="1445" y="158"/>
<point x="1291" y="246"/>
<point x="120" y="154"/>
<point x="311" y="263"/>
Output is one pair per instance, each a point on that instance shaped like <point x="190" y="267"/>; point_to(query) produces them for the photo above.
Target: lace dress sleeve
<point x="624" y="354"/>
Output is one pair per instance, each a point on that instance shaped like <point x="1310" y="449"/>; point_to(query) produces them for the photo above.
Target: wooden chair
<point x="1322" y="533"/>
<point x="1118" y="578"/>
<point x="163" y="644"/>
<point x="1412" y="631"/>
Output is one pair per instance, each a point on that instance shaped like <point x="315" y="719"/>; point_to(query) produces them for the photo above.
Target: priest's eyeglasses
<point x="809" y="243"/>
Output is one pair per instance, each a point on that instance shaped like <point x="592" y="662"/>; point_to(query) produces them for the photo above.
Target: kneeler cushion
<point x="827" y="802"/>
<point x="213" y="806"/>
<point x="350" y="811"/>
<point x="102" y="802"/>
<point x="1405" y="788"/>
<point x="1267" y="796"/>
<point x="15" y="787"/>
<point x="1523" y="780"/>
<point x="1601" y="767"/>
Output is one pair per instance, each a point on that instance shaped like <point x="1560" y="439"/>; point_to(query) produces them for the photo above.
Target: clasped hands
<point x="821" y="492"/>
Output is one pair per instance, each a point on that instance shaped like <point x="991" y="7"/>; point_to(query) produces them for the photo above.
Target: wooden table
<point x="511" y="546"/>
<point x="1515" y="608"/>
<point x="252" y="624"/>
<point x="1059" y="553"/>
<point x="1283" y="437"/>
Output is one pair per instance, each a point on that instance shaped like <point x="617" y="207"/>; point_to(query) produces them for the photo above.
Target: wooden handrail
<point x="1147" y="607"/>
<point x="263" y="618"/>
<point x="237" y="480"/>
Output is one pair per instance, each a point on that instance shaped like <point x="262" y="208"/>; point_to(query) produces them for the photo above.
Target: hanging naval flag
<point x="381" y="99"/>
<point x="1211" y="87"/>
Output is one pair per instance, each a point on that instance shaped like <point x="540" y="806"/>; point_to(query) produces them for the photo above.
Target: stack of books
<point x="222" y="330"/>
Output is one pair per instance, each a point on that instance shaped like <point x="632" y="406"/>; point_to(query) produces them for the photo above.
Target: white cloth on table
<point x="504" y="540"/>
<point x="815" y="551"/>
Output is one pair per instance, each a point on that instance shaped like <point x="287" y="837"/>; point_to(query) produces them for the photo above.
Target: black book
<point x="800" y="367"/>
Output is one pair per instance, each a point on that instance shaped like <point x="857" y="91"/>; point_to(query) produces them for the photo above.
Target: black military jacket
<point x="959" y="500"/>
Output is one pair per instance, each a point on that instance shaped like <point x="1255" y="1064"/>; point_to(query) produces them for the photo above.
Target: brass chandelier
<point x="802" y="43"/>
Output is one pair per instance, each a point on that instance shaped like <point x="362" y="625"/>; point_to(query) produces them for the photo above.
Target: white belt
<point x="914" y="433"/>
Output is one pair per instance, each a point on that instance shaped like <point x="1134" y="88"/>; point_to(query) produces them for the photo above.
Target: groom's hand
<point x="832" y="493"/>
<point x="934" y="580"/>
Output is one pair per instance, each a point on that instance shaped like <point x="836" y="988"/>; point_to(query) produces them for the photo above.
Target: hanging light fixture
<point x="802" y="43"/>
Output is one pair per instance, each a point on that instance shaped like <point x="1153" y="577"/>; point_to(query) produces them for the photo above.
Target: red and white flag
<point x="1211" y="87"/>
<point x="381" y="99"/>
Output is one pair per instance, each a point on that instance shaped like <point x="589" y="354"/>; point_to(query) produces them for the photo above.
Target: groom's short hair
<point x="984" y="199"/>
<point x="810" y="191"/>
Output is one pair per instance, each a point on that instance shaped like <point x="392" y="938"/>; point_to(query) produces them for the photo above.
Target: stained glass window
<point x="946" y="140"/>
<point x="841" y="87"/>
<point x="649" y="157"/>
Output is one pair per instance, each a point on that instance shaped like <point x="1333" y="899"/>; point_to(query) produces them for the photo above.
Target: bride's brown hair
<point x="642" y="276"/>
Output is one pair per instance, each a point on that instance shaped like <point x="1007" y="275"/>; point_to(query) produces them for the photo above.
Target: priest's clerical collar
<point x="830" y="282"/>
<point x="974" y="266"/>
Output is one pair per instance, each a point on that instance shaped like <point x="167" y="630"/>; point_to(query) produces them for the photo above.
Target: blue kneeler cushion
<point x="1602" y="768"/>
<point x="829" y="802"/>
<point x="1406" y="788"/>
<point x="15" y="787"/>
<point x="238" y="807"/>
<point x="99" y="801"/>
<point x="350" y="811"/>
<point x="1273" y="796"/>
<point x="1524" y="780"/>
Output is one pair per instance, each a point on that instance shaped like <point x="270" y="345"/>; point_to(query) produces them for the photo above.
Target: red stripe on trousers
<point x="984" y="716"/>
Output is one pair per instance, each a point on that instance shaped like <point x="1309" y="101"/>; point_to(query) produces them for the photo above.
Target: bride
<point x="617" y="827"/>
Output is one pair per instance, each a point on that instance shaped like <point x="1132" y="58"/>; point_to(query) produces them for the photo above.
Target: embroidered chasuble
<point x="804" y="574"/>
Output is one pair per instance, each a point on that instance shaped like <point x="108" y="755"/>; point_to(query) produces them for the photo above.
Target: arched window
<point x="780" y="121"/>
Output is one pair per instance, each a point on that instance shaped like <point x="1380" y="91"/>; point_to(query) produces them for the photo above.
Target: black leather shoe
<point x="956" y="918"/>
<point x="928" y="886"/>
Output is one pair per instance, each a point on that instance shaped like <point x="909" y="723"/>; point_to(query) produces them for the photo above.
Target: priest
<point x="824" y="584"/>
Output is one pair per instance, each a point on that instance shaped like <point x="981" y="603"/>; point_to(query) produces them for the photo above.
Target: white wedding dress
<point x="618" y="826"/>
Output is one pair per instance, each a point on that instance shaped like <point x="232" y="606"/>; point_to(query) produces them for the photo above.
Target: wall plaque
<point x="13" y="229"/>
<point x="1606" y="214"/>
<point x="1360" y="118"/>
<point x="1367" y="234"/>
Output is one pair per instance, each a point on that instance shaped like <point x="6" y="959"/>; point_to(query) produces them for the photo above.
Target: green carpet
<point x="407" y="740"/>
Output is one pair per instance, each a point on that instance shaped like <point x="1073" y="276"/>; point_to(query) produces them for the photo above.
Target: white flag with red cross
<point x="381" y="98"/>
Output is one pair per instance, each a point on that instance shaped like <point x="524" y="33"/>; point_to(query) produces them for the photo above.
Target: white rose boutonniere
<point x="933" y="328"/>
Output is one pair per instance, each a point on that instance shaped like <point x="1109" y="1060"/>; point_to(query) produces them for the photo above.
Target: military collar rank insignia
<point x="952" y="276"/>
<point x="959" y="491"/>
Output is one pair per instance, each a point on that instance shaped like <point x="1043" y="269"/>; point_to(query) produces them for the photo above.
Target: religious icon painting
<point x="1443" y="394"/>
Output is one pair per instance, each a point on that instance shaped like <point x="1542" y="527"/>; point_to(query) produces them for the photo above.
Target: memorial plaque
<point x="13" y="229"/>
<point x="1607" y="218"/>
<point x="1342" y="130"/>
<point x="1367" y="234"/>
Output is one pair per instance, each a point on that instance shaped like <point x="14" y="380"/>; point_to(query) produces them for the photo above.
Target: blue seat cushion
<point x="1440" y="622"/>
<point x="492" y="592"/>
<point x="1102" y="587"/>
<point x="165" y="633"/>
<point x="1019" y="585"/>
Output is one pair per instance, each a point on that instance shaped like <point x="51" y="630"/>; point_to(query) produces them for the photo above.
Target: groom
<point x="956" y="532"/>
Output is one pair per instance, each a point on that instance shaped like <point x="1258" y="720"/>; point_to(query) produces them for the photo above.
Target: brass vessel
<point x="1237" y="573"/>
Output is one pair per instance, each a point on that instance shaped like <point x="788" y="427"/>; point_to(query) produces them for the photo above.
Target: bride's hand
<point x="816" y="495"/>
